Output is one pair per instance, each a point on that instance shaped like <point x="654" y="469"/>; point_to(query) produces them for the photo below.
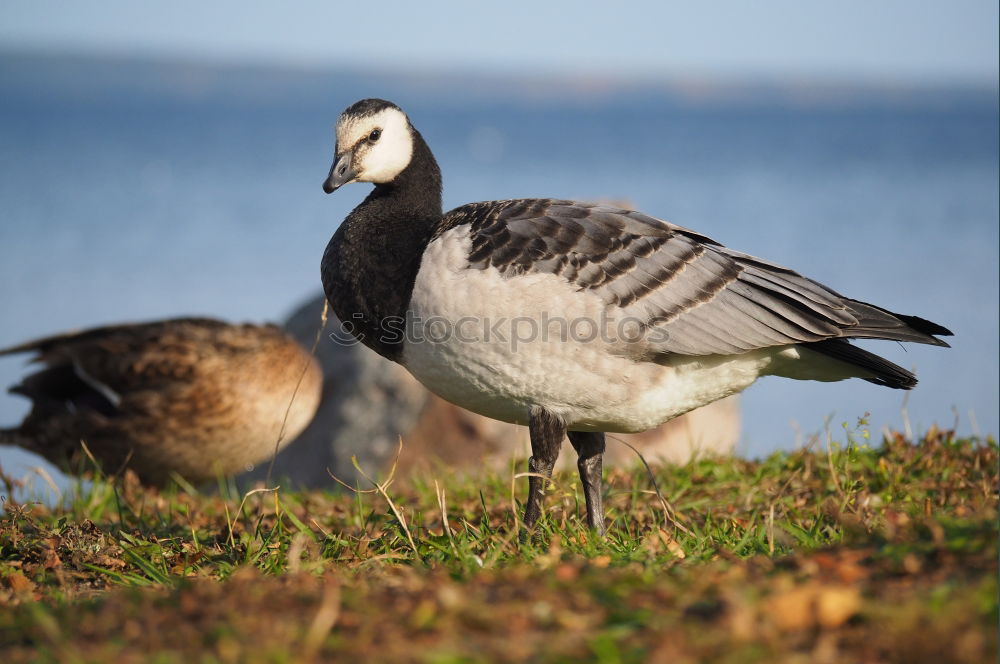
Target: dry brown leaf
<point x="912" y="563"/>
<point x="659" y="541"/>
<point x="672" y="545"/>
<point x="793" y="610"/>
<point x="601" y="561"/>
<point x="742" y="618"/>
<point x="19" y="583"/>
<point x="807" y="605"/>
<point x="50" y="559"/>
<point x="566" y="572"/>
<point x="845" y="566"/>
<point x="835" y="605"/>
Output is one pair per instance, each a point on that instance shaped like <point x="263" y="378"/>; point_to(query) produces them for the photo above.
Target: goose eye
<point x="374" y="136"/>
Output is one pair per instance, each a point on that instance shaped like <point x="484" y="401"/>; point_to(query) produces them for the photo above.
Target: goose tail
<point x="874" y="368"/>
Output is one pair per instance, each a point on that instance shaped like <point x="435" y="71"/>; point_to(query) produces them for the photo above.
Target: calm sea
<point x="168" y="195"/>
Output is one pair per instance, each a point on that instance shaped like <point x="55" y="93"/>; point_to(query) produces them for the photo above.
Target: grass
<point x="857" y="553"/>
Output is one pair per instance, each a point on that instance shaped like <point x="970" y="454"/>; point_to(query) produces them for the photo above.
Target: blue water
<point x="129" y="203"/>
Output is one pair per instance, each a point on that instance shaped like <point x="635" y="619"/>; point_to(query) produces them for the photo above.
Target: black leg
<point x="589" y="447"/>
<point x="546" y="432"/>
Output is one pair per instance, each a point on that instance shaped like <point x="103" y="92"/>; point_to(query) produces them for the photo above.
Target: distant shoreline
<point x="90" y="76"/>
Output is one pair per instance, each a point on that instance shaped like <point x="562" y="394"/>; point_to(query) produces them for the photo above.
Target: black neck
<point x="372" y="260"/>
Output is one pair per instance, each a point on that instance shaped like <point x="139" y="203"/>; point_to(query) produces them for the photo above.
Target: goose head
<point x="374" y="144"/>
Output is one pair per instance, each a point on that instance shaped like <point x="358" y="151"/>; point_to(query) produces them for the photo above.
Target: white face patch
<point x="382" y="160"/>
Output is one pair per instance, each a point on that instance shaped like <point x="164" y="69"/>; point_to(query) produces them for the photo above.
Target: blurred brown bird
<point x="192" y="396"/>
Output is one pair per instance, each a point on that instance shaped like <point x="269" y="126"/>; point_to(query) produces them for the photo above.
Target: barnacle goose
<point x="571" y="318"/>
<point x="193" y="396"/>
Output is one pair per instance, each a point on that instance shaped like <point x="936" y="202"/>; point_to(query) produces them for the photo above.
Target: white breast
<point x="499" y="346"/>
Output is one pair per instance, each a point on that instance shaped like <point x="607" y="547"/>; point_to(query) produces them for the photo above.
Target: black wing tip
<point x="886" y="373"/>
<point x="939" y="342"/>
<point x="882" y="371"/>
<point x="906" y="381"/>
<point x="876" y="322"/>
<point x="927" y="327"/>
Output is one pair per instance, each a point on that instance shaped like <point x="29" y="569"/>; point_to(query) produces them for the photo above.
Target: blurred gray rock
<point x="367" y="403"/>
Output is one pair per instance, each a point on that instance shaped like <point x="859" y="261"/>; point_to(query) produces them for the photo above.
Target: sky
<point x="883" y="40"/>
